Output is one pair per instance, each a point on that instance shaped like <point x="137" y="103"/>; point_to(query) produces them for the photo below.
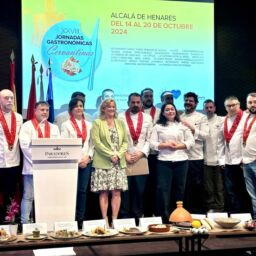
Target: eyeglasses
<point x="231" y="105"/>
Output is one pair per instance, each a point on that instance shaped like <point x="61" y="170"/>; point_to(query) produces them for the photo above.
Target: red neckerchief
<point x="152" y="111"/>
<point x="248" y="130"/>
<point x="134" y="134"/>
<point x="38" y="129"/>
<point x="229" y="134"/>
<point x="9" y="135"/>
<point x="79" y="134"/>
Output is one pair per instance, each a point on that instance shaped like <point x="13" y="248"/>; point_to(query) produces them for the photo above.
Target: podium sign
<point x="55" y="173"/>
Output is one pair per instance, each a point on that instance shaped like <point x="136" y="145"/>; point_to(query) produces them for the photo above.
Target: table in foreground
<point x="118" y="245"/>
<point x="228" y="241"/>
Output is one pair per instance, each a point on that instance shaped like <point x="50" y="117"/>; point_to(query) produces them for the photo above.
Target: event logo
<point x="74" y="56"/>
<point x="176" y="93"/>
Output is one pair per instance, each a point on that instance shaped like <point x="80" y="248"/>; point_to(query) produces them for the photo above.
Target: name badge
<point x="29" y="228"/>
<point x="145" y="222"/>
<point x="92" y="224"/>
<point x="68" y="225"/>
<point x="124" y="223"/>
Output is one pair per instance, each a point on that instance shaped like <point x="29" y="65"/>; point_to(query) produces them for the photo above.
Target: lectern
<point x="55" y="172"/>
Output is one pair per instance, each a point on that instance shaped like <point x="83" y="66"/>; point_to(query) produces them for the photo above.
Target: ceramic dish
<point x="182" y="225"/>
<point x="227" y="222"/>
<point x="159" y="228"/>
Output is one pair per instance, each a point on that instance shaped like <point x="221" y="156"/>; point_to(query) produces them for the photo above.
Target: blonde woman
<point x="110" y="144"/>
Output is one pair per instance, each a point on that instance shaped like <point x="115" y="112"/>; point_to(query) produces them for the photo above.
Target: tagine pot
<point x="180" y="214"/>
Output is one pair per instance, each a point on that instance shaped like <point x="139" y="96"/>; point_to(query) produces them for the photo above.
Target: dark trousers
<point x="194" y="195"/>
<point x="237" y="196"/>
<point x="132" y="201"/>
<point x="84" y="175"/>
<point x="214" y="188"/>
<point x="150" y="190"/>
<point x="8" y="183"/>
<point x="170" y="176"/>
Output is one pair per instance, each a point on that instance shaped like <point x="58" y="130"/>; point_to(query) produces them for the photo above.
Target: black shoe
<point x="80" y="224"/>
<point x="19" y="227"/>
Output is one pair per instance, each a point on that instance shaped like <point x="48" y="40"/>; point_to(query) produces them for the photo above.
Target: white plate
<point x="66" y="237"/>
<point x="41" y="237"/>
<point x="8" y="239"/>
<point x="140" y="231"/>
<point x="110" y="232"/>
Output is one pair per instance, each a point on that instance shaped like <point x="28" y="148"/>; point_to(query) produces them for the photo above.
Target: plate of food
<point x="133" y="230"/>
<point x="101" y="232"/>
<point x="39" y="237"/>
<point x="63" y="234"/>
<point x="7" y="239"/>
<point x="250" y="225"/>
<point x="159" y="228"/>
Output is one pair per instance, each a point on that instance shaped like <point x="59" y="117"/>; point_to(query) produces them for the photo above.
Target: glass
<point x="13" y="228"/>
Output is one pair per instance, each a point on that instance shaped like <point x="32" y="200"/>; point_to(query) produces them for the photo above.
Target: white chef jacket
<point x="200" y="123"/>
<point x="232" y="154"/>
<point x="27" y="133"/>
<point x="10" y="158"/>
<point x="143" y="141"/>
<point x="68" y="131"/>
<point x="157" y="114"/>
<point x="249" y="150"/>
<point x="173" y="131"/>
<point x="211" y="141"/>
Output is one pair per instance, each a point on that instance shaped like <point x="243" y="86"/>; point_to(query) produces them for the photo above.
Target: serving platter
<point x="108" y="233"/>
<point x="182" y="225"/>
<point x="54" y="235"/>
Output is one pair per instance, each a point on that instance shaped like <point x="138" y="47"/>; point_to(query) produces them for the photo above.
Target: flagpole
<point x="49" y="96"/>
<point x="41" y="83"/>
<point x="12" y="80"/>
<point x="32" y="93"/>
<point x="49" y="64"/>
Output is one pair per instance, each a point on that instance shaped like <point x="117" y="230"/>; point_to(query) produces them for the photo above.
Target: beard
<point x="7" y="108"/>
<point x="148" y="104"/>
<point x="252" y="110"/>
<point x="210" y="114"/>
<point x="135" y="109"/>
<point x="189" y="107"/>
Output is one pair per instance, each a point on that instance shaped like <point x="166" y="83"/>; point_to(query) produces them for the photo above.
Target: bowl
<point x="227" y="222"/>
<point x="159" y="228"/>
